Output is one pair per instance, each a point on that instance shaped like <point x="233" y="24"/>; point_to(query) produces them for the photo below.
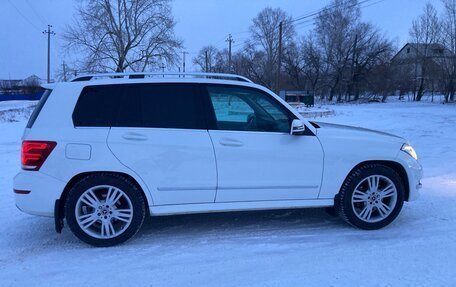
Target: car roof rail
<point x="221" y="76"/>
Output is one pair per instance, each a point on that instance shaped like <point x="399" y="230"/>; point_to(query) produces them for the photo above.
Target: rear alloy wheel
<point x="371" y="197"/>
<point x="105" y="210"/>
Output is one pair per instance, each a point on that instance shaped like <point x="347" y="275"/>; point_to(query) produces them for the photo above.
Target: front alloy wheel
<point x="374" y="198"/>
<point x="371" y="197"/>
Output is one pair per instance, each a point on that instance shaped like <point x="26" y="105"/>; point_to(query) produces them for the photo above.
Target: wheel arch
<point x="396" y="166"/>
<point x="80" y="176"/>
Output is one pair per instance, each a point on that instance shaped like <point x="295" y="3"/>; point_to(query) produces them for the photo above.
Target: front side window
<point x="245" y="109"/>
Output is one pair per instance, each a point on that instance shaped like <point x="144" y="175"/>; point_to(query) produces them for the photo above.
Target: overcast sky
<point x="199" y="23"/>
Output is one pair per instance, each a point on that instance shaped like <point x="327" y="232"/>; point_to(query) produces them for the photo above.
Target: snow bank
<point x="14" y="111"/>
<point x="268" y="248"/>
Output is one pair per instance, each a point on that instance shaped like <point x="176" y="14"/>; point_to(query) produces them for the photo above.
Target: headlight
<point x="409" y="150"/>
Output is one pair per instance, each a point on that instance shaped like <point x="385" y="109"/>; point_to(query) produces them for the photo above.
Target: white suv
<point x="104" y="150"/>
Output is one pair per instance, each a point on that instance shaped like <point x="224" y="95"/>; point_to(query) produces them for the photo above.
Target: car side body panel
<point x="81" y="150"/>
<point x="345" y="147"/>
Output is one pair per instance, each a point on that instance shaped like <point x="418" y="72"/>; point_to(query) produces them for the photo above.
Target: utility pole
<point x="352" y="84"/>
<point x="279" y="59"/>
<point x="207" y="69"/>
<point x="163" y="69"/>
<point x="49" y="33"/>
<point x="183" y="61"/>
<point x="64" y="71"/>
<point x="230" y="41"/>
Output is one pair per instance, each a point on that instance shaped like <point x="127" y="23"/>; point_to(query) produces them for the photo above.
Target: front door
<point x="257" y="158"/>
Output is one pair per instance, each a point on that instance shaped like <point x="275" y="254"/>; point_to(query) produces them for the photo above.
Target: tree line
<point x="344" y="58"/>
<point x="341" y="58"/>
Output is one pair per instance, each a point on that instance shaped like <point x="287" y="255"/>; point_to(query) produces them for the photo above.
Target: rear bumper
<point x="44" y="191"/>
<point x="414" y="173"/>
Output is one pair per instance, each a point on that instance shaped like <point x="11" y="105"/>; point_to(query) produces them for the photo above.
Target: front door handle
<point x="230" y="142"/>
<point x="132" y="136"/>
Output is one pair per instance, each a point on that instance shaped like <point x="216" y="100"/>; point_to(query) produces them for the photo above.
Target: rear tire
<point x="105" y="209"/>
<point x="371" y="197"/>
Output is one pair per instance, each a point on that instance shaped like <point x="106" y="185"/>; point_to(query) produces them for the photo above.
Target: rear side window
<point x="171" y="106"/>
<point x="140" y="105"/>
<point x="38" y="108"/>
<point x="96" y="106"/>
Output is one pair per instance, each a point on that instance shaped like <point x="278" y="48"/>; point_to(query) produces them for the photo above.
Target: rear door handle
<point x="132" y="136"/>
<point x="230" y="142"/>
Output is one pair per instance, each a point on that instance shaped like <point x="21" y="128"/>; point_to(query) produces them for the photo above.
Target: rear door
<point x="160" y="133"/>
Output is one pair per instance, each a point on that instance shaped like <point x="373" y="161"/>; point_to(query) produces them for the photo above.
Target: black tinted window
<point x="140" y="105"/>
<point x="96" y="106"/>
<point x="170" y="106"/>
<point x="129" y="108"/>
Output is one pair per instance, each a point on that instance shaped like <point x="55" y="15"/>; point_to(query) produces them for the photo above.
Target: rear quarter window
<point x="96" y="106"/>
<point x="38" y="108"/>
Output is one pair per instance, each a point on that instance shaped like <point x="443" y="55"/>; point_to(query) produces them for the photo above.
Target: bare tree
<point x="335" y="31"/>
<point x="122" y="35"/>
<point x="304" y="65"/>
<point x="449" y="40"/>
<point x="425" y="32"/>
<point x="341" y="56"/>
<point x="293" y="65"/>
<point x="263" y="45"/>
<point x="222" y="62"/>
<point x="211" y="53"/>
<point x="372" y="49"/>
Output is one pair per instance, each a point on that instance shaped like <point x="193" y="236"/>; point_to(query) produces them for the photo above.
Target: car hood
<point x="351" y="131"/>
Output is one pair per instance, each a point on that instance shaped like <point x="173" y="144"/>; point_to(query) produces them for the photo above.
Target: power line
<point x="317" y="12"/>
<point x="372" y="4"/>
<point x="309" y="22"/>
<point x="238" y="44"/>
<point x="23" y="16"/>
<point x="35" y="12"/>
<point x="305" y="20"/>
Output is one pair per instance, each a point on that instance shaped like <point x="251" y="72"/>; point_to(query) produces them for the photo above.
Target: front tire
<point x="105" y="209"/>
<point x="371" y="197"/>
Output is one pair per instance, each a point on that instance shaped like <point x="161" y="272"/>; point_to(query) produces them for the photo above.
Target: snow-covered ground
<point x="7" y="105"/>
<point x="267" y="248"/>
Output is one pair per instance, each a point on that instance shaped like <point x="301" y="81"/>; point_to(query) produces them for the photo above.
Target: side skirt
<point x="159" y="210"/>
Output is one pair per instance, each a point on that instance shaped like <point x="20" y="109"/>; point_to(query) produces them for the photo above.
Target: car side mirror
<point x="297" y="128"/>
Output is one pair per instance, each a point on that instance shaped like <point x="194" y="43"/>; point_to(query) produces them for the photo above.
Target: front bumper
<point x="414" y="173"/>
<point x="44" y="191"/>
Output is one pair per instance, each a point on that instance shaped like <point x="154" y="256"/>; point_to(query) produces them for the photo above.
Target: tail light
<point x="35" y="153"/>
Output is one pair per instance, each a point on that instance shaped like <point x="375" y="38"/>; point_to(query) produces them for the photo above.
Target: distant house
<point x="29" y="85"/>
<point x="415" y="61"/>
